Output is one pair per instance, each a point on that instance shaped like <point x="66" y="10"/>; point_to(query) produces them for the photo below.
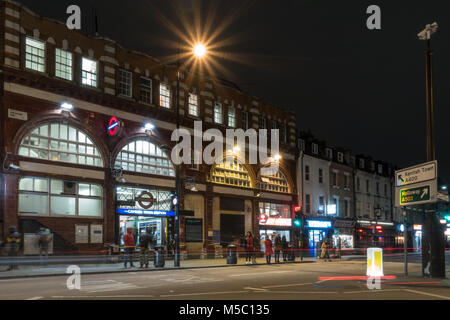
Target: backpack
<point x="45" y="239"/>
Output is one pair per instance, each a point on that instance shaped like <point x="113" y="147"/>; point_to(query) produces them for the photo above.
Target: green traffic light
<point x="297" y="223"/>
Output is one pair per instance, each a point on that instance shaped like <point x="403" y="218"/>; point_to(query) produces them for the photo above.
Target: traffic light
<point x="298" y="222"/>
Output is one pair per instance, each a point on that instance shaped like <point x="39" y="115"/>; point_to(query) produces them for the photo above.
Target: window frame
<point x="147" y="89"/>
<point x="31" y="54"/>
<point x="218" y="112"/>
<point x="196" y="105"/>
<point x="232" y="115"/>
<point x="128" y="87"/>
<point x="164" y="98"/>
<point x="85" y="80"/>
<point x="63" y="64"/>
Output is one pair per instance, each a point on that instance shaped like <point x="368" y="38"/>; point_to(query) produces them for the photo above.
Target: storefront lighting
<point x="331" y="209"/>
<point x="443" y="221"/>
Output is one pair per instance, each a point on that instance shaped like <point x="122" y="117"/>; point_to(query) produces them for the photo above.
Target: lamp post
<point x="199" y="51"/>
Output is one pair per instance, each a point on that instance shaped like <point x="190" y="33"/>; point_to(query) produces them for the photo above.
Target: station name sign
<point x="143" y="212"/>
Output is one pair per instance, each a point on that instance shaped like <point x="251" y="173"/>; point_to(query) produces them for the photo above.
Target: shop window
<point x="39" y="196"/>
<point x="89" y="72"/>
<point x="63" y="64"/>
<point x="143" y="156"/>
<point x="60" y="142"/>
<point x="275" y="214"/>
<point x="34" y="54"/>
<point x="274" y="183"/>
<point x="164" y="95"/>
<point x="231" y="173"/>
<point x="194" y="230"/>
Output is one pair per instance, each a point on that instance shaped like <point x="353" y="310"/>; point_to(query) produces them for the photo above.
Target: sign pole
<point x="405" y="242"/>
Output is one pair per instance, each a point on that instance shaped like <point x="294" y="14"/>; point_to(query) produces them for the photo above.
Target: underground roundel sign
<point x="145" y="200"/>
<point x="114" y="127"/>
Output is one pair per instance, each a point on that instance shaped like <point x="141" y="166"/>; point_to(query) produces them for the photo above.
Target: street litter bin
<point x="232" y="254"/>
<point x="159" y="257"/>
<point x="291" y="254"/>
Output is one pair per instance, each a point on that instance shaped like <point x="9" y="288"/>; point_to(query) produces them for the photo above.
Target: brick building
<point x="90" y="172"/>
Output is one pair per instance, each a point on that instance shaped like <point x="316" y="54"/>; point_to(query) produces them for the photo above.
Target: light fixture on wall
<point x="149" y="127"/>
<point x="65" y="108"/>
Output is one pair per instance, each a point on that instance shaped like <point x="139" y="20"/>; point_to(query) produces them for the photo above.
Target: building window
<point x="378" y="187"/>
<point x="315" y="148"/>
<point x="359" y="206"/>
<point x="329" y="153"/>
<point x="164" y="95"/>
<point x="274" y="183"/>
<point x="125" y="83"/>
<point x="146" y="90"/>
<point x="244" y="120"/>
<point x="385" y="190"/>
<point x="194" y="230"/>
<point x="361" y="163"/>
<point x="218" y="113"/>
<point x="89" y="72"/>
<point x="231" y="117"/>
<point x="38" y="196"/>
<point x="358" y="183"/>
<point x="321" y="204"/>
<point x="320" y="175"/>
<point x="334" y="178"/>
<point x="63" y="64"/>
<point x="301" y="144"/>
<point x="262" y="122"/>
<point x="34" y="54"/>
<point x="283" y="133"/>
<point x="340" y="157"/>
<point x="143" y="156"/>
<point x="346" y="181"/>
<point x="336" y="205"/>
<point x="60" y="142"/>
<point x="275" y="214"/>
<point x="367" y="186"/>
<point x="368" y="210"/>
<point x="308" y="203"/>
<point x="273" y="124"/>
<point x="231" y="173"/>
<point x="307" y="173"/>
<point x="193" y="105"/>
<point x="346" y="208"/>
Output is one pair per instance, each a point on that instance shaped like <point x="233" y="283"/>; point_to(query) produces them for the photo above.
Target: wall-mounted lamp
<point x="148" y="127"/>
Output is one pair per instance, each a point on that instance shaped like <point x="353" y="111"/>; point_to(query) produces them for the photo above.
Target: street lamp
<point x="199" y="50"/>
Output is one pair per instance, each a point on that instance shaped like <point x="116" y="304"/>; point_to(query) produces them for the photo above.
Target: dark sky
<point x="353" y="87"/>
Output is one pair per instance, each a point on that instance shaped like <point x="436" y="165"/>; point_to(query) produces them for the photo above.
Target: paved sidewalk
<point x="25" y="271"/>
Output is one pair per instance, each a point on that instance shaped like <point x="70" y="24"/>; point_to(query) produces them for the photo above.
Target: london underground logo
<point x="114" y="126"/>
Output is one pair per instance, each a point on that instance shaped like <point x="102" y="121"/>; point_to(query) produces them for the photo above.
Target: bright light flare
<point x="199" y="50"/>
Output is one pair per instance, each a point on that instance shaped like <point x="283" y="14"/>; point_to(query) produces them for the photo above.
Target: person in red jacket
<point x="128" y="240"/>
<point x="268" y="249"/>
<point x="249" y="247"/>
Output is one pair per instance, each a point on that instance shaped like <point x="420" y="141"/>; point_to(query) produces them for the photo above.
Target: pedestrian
<point x="144" y="243"/>
<point x="278" y="247"/>
<point x="285" y="248"/>
<point x="249" y="247"/>
<point x="325" y="254"/>
<point x="45" y="237"/>
<point x="128" y="240"/>
<point x="268" y="249"/>
<point x="12" y="245"/>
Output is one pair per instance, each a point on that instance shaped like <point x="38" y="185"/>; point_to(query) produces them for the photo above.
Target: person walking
<point x="12" y="245"/>
<point x="325" y="252"/>
<point x="285" y="248"/>
<point x="249" y="246"/>
<point x="278" y="247"/>
<point x="144" y="243"/>
<point x="268" y="249"/>
<point x="128" y="240"/>
<point x="45" y="237"/>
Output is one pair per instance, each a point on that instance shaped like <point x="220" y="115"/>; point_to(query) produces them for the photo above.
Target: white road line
<point x="287" y="285"/>
<point x="90" y="297"/>
<point x="199" y="293"/>
<point x="307" y="292"/>
<point x="35" y="298"/>
<point x="255" y="289"/>
<point x="428" y="294"/>
<point x="257" y="273"/>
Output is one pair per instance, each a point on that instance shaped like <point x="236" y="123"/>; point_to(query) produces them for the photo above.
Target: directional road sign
<point x="416" y="174"/>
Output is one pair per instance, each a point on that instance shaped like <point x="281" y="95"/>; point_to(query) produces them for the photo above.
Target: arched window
<point x="60" y="142"/>
<point x="274" y="183"/>
<point x="231" y="173"/>
<point x="143" y="156"/>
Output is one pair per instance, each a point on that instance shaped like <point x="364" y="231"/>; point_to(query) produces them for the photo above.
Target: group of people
<point x="274" y="246"/>
<point x="145" y="244"/>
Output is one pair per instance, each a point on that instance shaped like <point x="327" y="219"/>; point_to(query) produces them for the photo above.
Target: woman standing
<point x="285" y="247"/>
<point x="268" y="249"/>
<point x="277" y="244"/>
<point x="249" y="247"/>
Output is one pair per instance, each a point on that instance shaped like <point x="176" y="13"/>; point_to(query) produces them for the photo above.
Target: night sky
<point x="353" y="87"/>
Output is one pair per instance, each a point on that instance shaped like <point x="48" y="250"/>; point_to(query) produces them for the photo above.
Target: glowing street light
<point x="199" y="50"/>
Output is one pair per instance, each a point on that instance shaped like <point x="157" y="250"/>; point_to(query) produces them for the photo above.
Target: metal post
<point x="431" y="152"/>
<point x="177" y="173"/>
<point x="405" y="241"/>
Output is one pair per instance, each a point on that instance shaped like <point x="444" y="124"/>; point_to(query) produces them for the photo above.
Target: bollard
<point x="159" y="258"/>
<point x="232" y="255"/>
<point x="375" y="262"/>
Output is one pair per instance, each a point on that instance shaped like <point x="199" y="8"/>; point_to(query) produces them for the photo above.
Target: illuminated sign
<point x="281" y="222"/>
<point x="142" y="212"/>
<point x="318" y="224"/>
<point x="331" y="209"/>
<point x="114" y="126"/>
<point x="417" y="227"/>
<point x="401" y="227"/>
<point x="375" y="262"/>
<point x="145" y="199"/>
<point x="262" y="219"/>
<point x="443" y="221"/>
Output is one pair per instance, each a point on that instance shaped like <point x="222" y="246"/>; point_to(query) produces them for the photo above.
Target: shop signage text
<point x="281" y="222"/>
<point x="318" y="224"/>
<point x="142" y="212"/>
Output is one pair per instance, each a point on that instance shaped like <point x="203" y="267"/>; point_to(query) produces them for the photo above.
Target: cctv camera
<point x="13" y="167"/>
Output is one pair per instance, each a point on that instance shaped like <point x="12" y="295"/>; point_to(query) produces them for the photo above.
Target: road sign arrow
<point x="400" y="177"/>
<point x="424" y="192"/>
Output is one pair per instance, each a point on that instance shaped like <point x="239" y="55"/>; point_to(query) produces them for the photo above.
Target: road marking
<point x="90" y="297"/>
<point x="307" y="292"/>
<point x="287" y="285"/>
<point x="255" y="289"/>
<point x="369" y="291"/>
<point x="35" y="298"/>
<point x="200" y="293"/>
<point x="428" y="294"/>
<point x="257" y="273"/>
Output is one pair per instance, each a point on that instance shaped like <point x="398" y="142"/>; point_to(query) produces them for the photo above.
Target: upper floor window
<point x="346" y="180"/>
<point x="275" y="183"/>
<point x="340" y="157"/>
<point x="34" y="54"/>
<point x="244" y="120"/>
<point x="301" y="144"/>
<point x="320" y="175"/>
<point x="164" y="95"/>
<point x="89" y="72"/>
<point x="273" y="124"/>
<point x="146" y="90"/>
<point x="361" y="163"/>
<point x="143" y="156"/>
<point x="380" y="169"/>
<point x="315" y="148"/>
<point x="334" y="178"/>
<point x="218" y="113"/>
<point x="329" y="153"/>
<point x="367" y="186"/>
<point x="63" y="64"/>
<point x="307" y="203"/>
<point x="193" y="109"/>
<point x="231" y="173"/>
<point x="262" y="122"/>
<point x="231" y="117"/>
<point x="60" y="142"/>
<point x="125" y="83"/>
<point x="378" y="187"/>
<point x="307" y="173"/>
<point x="358" y="183"/>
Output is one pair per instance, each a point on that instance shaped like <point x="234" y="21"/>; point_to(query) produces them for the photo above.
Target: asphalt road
<point x="257" y="282"/>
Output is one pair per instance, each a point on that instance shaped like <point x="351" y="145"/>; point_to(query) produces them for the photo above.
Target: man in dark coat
<point x="12" y="246"/>
<point x="144" y="243"/>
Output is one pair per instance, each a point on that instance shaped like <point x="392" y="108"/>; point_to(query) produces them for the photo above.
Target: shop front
<point x="375" y="234"/>
<point x="343" y="236"/>
<point x="274" y="218"/>
<point x="317" y="231"/>
<point x="417" y="237"/>
<point x="145" y="209"/>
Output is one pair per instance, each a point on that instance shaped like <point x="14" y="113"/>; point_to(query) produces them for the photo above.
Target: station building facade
<point x="89" y="172"/>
